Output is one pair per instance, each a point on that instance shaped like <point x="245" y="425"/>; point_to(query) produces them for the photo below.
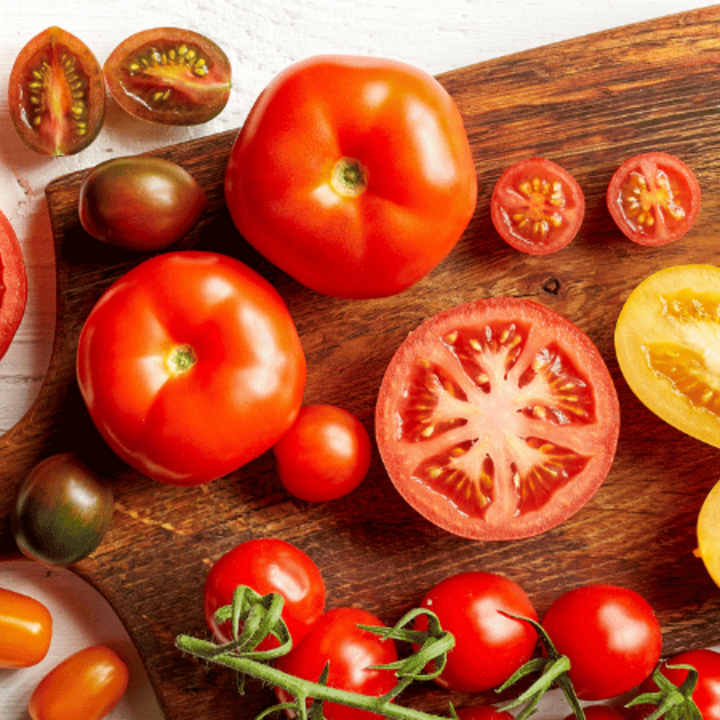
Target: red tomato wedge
<point x="497" y="419"/>
<point x="654" y="198"/>
<point x="537" y="206"/>
<point x="13" y="284"/>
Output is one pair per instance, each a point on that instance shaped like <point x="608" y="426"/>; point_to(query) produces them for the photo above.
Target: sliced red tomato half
<point x="497" y="419"/>
<point x="13" y="284"/>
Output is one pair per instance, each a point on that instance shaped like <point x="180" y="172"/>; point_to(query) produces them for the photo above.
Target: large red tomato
<point x="353" y="175"/>
<point x="191" y="366"/>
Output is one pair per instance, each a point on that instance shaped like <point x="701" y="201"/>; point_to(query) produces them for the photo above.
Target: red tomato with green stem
<point x="191" y="366"/>
<point x="489" y="645"/>
<point x="26" y="627"/>
<point x="13" y="284"/>
<point x="324" y="455"/>
<point x="266" y="565"/>
<point x="353" y="175"/>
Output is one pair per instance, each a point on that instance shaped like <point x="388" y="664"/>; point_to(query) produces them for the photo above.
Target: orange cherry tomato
<point x="25" y="630"/>
<point x="86" y="685"/>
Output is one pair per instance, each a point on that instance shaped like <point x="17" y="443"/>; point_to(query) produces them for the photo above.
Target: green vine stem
<point x="672" y="702"/>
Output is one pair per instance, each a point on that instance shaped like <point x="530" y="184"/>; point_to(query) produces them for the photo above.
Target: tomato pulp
<point x="191" y="366"/>
<point x="497" y="419"/>
<point x="13" y="284"/>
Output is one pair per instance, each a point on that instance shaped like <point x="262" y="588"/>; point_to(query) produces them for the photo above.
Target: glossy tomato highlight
<point x="26" y="627"/>
<point x="353" y="175"/>
<point x="497" y="419"/>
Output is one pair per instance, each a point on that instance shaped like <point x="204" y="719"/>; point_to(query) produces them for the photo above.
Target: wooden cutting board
<point x="588" y="104"/>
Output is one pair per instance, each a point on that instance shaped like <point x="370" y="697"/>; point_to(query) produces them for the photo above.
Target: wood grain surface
<point x="588" y="104"/>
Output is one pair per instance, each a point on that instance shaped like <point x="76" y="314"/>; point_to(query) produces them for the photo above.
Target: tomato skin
<point x="266" y="565"/>
<point x="86" y="685"/>
<point x="611" y="636"/>
<point x="654" y="198"/>
<point x="483" y="712"/>
<point x="25" y="630"/>
<point x="191" y="366"/>
<point x="537" y="207"/>
<point x="140" y="203"/>
<point x="412" y="186"/>
<point x="62" y="511"/>
<point x="324" y="455"/>
<point x="13" y="284"/>
<point x="489" y="646"/>
<point x="70" y="73"/>
<point x="170" y="76"/>
<point x="336" y="639"/>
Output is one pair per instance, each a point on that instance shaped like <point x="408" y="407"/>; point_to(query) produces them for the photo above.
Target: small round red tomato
<point x="537" y="206"/>
<point x="336" y="639"/>
<point x="489" y="645"/>
<point x="25" y="630"/>
<point x="13" y="284"/>
<point x="267" y="565"/>
<point x="56" y="94"/>
<point x="353" y="175"/>
<point x="324" y="455"/>
<point x="191" y="366"/>
<point x="497" y="419"/>
<point x="87" y="685"/>
<point x="654" y="198"/>
<point x="483" y="712"/>
<point x="169" y="75"/>
<point x="140" y="203"/>
<point x="611" y="636"/>
<point x="602" y="712"/>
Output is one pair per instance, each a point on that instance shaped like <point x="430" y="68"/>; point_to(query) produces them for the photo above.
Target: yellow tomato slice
<point x="667" y="341"/>
<point x="708" y="533"/>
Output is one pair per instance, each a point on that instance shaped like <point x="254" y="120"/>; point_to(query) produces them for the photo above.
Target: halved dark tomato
<point x="56" y="94"/>
<point x="537" y="206"/>
<point x="170" y="76"/>
<point x="497" y="419"/>
<point x="13" y="284"/>
<point x="654" y="198"/>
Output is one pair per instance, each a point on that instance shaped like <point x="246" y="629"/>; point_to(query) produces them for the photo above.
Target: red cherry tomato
<point x="266" y="565"/>
<point x="336" y="639"/>
<point x="191" y="366"/>
<point x="497" y="419"/>
<point x="489" y="645"/>
<point x="537" y="206"/>
<point x="483" y="712"/>
<point x="25" y="630"/>
<point x="353" y="175"/>
<point x="13" y="284"/>
<point x="611" y="636"/>
<point x="654" y="198"/>
<point x="324" y="455"/>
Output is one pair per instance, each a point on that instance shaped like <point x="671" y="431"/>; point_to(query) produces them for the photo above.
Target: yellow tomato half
<point x="708" y="533"/>
<point x="667" y="341"/>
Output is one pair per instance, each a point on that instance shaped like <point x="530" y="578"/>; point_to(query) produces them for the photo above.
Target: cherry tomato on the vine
<point x="611" y="636"/>
<point x="266" y="565"/>
<point x="13" y="284"/>
<point x="324" y="455"/>
<point x="489" y="645"/>
<point x="25" y="630"/>
<point x="483" y="712"/>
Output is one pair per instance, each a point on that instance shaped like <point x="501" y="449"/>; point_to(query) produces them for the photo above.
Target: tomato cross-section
<point x="497" y="419"/>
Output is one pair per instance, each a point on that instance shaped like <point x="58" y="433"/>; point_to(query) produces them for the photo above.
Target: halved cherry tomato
<point x="13" y="284"/>
<point x="708" y="533"/>
<point x="87" y="685"/>
<point x="537" y="206"/>
<point x="169" y="75"/>
<point x="654" y="198"/>
<point x="497" y="419"/>
<point x="56" y="94"/>
<point x="666" y="338"/>
<point x="25" y="630"/>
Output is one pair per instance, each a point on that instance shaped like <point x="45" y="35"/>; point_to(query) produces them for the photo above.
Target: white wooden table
<point x="261" y="37"/>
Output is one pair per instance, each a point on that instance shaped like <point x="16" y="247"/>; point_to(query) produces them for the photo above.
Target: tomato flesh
<point x="56" y="94"/>
<point x="497" y="419"/>
<point x="13" y="284"/>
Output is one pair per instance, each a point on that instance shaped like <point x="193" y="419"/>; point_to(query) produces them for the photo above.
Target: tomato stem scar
<point x="181" y="359"/>
<point x="349" y="177"/>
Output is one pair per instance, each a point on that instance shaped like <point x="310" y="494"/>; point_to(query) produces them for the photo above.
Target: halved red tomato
<point x="13" y="284"/>
<point x="537" y="206"/>
<point x="654" y="198"/>
<point x="56" y="94"/>
<point x="497" y="419"/>
<point x="169" y="75"/>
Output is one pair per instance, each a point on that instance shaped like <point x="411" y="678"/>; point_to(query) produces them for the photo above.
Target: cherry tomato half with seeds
<point x="25" y="630"/>
<point x="56" y="94"/>
<point x="497" y="419"/>
<point x="537" y="206"/>
<point x="13" y="284"/>
<point x="87" y="685"/>
<point x="324" y="455"/>
<point x="489" y="645"/>
<point x="654" y="198"/>
<point x="266" y="565"/>
<point x="610" y="635"/>
<point x="170" y="76"/>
